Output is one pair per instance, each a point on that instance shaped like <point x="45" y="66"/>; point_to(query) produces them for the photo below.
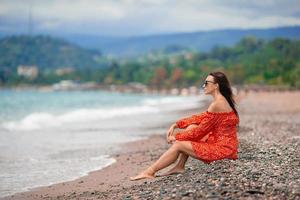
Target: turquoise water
<point x="50" y="137"/>
<point x="15" y="105"/>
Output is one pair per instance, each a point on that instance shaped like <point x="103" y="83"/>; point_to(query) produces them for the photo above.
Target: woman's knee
<point x="176" y="145"/>
<point x="184" y="147"/>
<point x="179" y="145"/>
<point x="191" y="126"/>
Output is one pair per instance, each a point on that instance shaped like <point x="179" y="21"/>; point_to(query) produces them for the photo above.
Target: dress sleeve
<point x="207" y="124"/>
<point x="194" y="119"/>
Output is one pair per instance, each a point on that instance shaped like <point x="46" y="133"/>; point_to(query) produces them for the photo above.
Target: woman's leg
<point x="179" y="167"/>
<point x="182" y="160"/>
<point x="169" y="157"/>
<point x="184" y="157"/>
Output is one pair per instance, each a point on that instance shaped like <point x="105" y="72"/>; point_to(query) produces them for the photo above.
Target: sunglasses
<point x="206" y="82"/>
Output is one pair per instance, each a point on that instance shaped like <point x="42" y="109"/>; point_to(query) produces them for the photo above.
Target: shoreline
<point x="258" y="144"/>
<point x="37" y="191"/>
<point x="137" y="88"/>
<point x="99" y="178"/>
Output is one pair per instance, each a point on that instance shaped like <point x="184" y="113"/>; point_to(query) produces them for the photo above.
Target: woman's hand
<point x="170" y="132"/>
<point x="171" y="139"/>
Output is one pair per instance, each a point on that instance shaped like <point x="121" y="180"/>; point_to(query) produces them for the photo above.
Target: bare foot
<point x="141" y="176"/>
<point x="149" y="173"/>
<point x="174" y="170"/>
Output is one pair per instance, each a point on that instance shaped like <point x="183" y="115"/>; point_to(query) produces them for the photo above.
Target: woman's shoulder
<point x="219" y="106"/>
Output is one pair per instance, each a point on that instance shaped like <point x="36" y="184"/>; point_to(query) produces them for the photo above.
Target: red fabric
<point x="194" y="119"/>
<point x="222" y="141"/>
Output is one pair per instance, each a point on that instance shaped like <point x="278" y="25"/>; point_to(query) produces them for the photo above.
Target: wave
<point x="174" y="103"/>
<point x="161" y="101"/>
<point x="35" y="121"/>
<point x="40" y="120"/>
<point x="103" y="160"/>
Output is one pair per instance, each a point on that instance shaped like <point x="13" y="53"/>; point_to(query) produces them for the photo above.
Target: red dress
<point x="222" y="140"/>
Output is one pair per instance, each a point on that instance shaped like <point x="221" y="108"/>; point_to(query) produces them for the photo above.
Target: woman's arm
<point x="194" y="119"/>
<point x="200" y="131"/>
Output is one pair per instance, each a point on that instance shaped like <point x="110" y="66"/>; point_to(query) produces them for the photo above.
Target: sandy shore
<point x="267" y="168"/>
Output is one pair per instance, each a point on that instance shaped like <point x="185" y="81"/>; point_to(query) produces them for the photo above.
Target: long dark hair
<point x="225" y="88"/>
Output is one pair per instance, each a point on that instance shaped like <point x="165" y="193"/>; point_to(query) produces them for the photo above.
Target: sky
<point x="143" y="17"/>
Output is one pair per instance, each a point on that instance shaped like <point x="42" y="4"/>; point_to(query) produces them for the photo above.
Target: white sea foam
<point x="94" y="131"/>
<point x="174" y="103"/>
<point x="35" y="121"/>
<point x="162" y="101"/>
<point x="103" y="160"/>
<point x="40" y="120"/>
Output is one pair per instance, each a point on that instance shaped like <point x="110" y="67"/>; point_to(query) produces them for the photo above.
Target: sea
<point x="56" y="136"/>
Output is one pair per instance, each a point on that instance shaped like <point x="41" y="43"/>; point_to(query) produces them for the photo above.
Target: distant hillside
<point x="44" y="52"/>
<point x="200" y="41"/>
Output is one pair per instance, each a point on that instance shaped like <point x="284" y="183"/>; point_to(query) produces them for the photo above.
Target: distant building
<point x="30" y="72"/>
<point x="64" y="70"/>
<point x="66" y="85"/>
<point x="193" y="90"/>
<point x="184" y="92"/>
<point x="174" y="91"/>
<point x="172" y="61"/>
<point x="137" y="87"/>
<point x="188" y="56"/>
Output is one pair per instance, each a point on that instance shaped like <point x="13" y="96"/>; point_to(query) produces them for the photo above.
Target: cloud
<point x="140" y="17"/>
<point x="217" y="14"/>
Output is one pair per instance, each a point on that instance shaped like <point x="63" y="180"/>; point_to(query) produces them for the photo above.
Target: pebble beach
<point x="268" y="165"/>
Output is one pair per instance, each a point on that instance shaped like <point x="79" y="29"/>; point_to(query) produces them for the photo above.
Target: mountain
<point x="200" y="41"/>
<point x="71" y="50"/>
<point x="44" y="52"/>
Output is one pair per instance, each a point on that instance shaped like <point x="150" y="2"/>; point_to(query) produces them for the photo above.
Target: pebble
<point x="266" y="168"/>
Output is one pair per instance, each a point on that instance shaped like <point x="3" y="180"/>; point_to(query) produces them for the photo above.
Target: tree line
<point x="250" y="61"/>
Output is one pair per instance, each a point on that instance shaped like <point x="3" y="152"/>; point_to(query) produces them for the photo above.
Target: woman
<point x="208" y="136"/>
